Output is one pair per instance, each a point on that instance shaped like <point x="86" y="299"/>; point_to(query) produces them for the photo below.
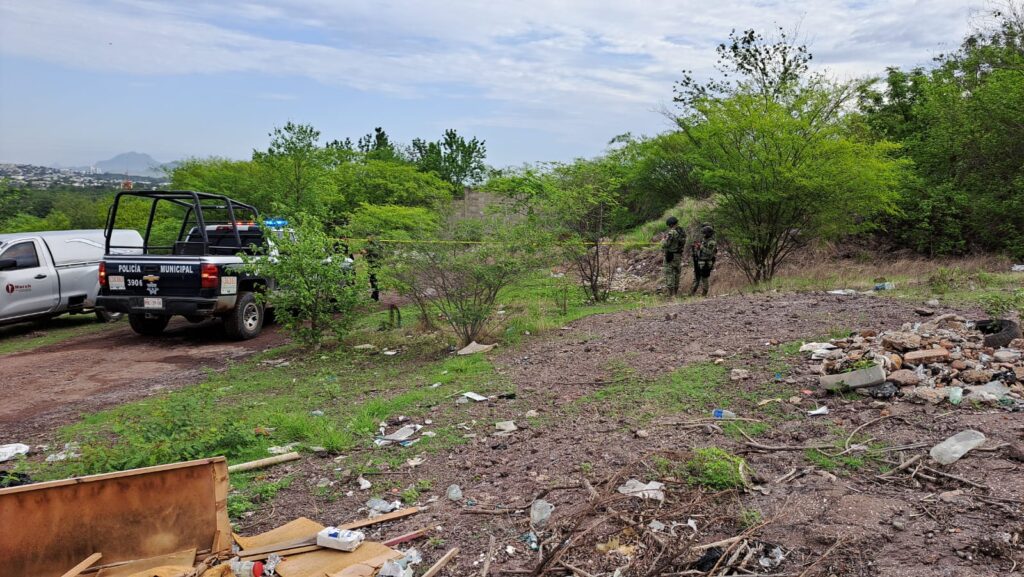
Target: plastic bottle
<point x="246" y="568"/>
<point x="956" y="394"/>
<point x="723" y="414"/>
<point x="950" y="450"/>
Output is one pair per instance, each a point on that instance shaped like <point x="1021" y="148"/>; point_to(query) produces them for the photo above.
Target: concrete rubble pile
<point x="942" y="360"/>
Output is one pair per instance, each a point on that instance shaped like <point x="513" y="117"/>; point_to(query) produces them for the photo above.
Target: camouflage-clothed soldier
<point x="704" y="252"/>
<point x="673" y="246"/>
<point x="373" y="253"/>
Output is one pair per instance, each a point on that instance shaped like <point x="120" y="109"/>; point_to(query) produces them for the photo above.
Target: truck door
<point x="31" y="287"/>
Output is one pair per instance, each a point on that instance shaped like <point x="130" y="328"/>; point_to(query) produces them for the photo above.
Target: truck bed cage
<point x="198" y="240"/>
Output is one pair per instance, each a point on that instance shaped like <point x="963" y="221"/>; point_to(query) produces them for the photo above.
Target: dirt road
<point x="47" y="387"/>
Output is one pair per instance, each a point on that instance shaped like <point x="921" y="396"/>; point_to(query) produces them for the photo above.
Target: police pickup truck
<point x="190" y="263"/>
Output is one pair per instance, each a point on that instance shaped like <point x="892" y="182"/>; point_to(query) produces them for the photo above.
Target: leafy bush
<point x="315" y="292"/>
<point x="716" y="468"/>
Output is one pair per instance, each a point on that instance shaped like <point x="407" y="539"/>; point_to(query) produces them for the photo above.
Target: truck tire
<point x="148" y="326"/>
<point x="105" y="316"/>
<point x="246" y="320"/>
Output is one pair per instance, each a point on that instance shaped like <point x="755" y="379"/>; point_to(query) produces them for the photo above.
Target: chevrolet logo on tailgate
<point x="151" y="278"/>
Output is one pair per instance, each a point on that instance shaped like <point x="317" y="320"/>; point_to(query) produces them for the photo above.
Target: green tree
<point x="381" y="183"/>
<point x="294" y="165"/>
<point x="781" y="155"/>
<point x="315" y="293"/>
<point x="378" y="146"/>
<point x="454" y="159"/>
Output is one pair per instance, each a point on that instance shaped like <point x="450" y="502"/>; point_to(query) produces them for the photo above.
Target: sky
<point x="83" y="80"/>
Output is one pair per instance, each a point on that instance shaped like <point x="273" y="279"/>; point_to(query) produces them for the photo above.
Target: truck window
<point x="24" y="253"/>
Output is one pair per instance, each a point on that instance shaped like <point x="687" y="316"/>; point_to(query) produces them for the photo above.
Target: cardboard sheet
<point x="329" y="561"/>
<point x="181" y="558"/>
<point x="300" y="528"/>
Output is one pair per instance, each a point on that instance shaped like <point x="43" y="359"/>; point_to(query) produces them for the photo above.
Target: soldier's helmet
<point x="707" y="229"/>
<point x="672" y="221"/>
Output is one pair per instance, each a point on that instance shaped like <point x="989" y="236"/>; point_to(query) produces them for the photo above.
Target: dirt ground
<point x="45" y="388"/>
<point x="848" y="522"/>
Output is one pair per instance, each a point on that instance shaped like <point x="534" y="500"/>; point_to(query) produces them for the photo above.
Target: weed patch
<point x="716" y="468"/>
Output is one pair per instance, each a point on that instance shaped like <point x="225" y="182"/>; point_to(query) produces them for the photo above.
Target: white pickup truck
<point x="46" y="274"/>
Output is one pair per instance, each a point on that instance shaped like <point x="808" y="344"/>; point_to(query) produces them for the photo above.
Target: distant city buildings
<point x="43" y="177"/>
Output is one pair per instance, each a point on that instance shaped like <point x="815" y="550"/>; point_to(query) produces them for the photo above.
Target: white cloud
<point x="573" y="65"/>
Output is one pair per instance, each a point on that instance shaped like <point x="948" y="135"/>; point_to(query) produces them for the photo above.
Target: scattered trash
<point x="402" y="436"/>
<point x="823" y="410"/>
<point x="723" y="414"/>
<point x="363" y="483"/>
<point x="316" y="413"/>
<point x="886" y="390"/>
<point x="531" y="540"/>
<point x="614" y="546"/>
<point x="811" y="347"/>
<point x="282" y="449"/>
<point x="652" y="490"/>
<point x="365" y="347"/>
<point x="414" y="462"/>
<point x="8" y="452"/>
<point x="340" y="539"/>
<point x="70" y="452"/>
<point x="474" y="397"/>
<point x="390" y="353"/>
<point x="956" y="394"/>
<point x="510" y="550"/>
<point x="993" y="392"/>
<point x="435" y="385"/>
<point x="531" y="414"/>
<point x="841" y="292"/>
<point x="505" y="427"/>
<point x="380" y="506"/>
<point x="692" y="523"/>
<point x="773" y="559"/>
<point x="1017" y="268"/>
<point x="540" y="512"/>
<point x="885" y="286"/>
<point x="473" y="348"/>
<point x="950" y="450"/>
<point x="656" y="526"/>
<point x="454" y="493"/>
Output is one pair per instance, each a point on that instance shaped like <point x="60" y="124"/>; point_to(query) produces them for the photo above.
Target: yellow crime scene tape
<point x="479" y="242"/>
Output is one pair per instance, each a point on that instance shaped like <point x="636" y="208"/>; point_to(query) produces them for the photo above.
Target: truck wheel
<point x="246" y="320"/>
<point x="105" y="316"/>
<point x="148" y="326"/>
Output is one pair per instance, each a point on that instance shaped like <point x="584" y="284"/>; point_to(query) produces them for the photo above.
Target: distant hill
<point x="135" y="164"/>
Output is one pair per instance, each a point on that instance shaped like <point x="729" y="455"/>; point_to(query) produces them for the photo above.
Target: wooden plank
<point x="400" y="514"/>
<point x="261" y="463"/>
<point x="407" y="537"/>
<point x="282" y="552"/>
<point x="127" y="515"/>
<point x="82" y="566"/>
<point x="436" y="567"/>
<point x="183" y="558"/>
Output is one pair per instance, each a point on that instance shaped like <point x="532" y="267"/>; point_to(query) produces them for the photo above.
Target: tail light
<point x="103" y="274"/>
<point x="210" y="276"/>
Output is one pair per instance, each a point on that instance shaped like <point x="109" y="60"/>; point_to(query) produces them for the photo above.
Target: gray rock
<point x="868" y="377"/>
<point x="904" y="378"/>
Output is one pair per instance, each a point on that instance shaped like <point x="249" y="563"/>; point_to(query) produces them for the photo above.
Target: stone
<point x="932" y="303"/>
<point x="901" y="341"/>
<point x="1019" y="373"/>
<point x="976" y="376"/>
<point x="959" y="365"/>
<point x="719" y="354"/>
<point x="899" y="524"/>
<point x="1006" y="356"/>
<point x="904" y="378"/>
<point x="924" y="312"/>
<point x="897" y="361"/>
<point x="926" y="356"/>
<point x="868" y="377"/>
<point x="951" y="496"/>
<point x="739" y="375"/>
<point x="927" y="394"/>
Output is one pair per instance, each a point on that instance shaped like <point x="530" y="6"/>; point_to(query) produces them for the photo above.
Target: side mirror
<point x="8" y="263"/>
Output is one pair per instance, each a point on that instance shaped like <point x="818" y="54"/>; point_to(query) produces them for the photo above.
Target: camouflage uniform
<point x="673" y="246"/>
<point x="373" y="253"/>
<point x="703" y="251"/>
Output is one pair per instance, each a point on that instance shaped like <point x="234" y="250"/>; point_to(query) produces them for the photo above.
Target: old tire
<point x="148" y="326"/>
<point x="246" y="320"/>
<point x="105" y="316"/>
<point x="998" y="332"/>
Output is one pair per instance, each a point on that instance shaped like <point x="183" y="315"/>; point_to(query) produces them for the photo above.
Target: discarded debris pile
<point x="171" y="521"/>
<point x="946" y="358"/>
<point x="647" y="519"/>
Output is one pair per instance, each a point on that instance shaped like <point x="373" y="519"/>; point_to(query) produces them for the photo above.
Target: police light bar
<point x="276" y="222"/>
